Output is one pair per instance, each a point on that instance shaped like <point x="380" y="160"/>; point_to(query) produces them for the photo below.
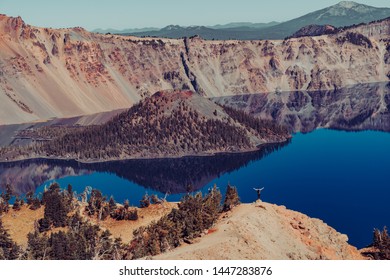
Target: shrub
<point x="145" y="201"/>
<point x="155" y="200"/>
<point x="17" y="204"/>
<point x="123" y="213"/>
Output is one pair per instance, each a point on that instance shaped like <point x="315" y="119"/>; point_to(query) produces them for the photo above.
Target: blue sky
<point x="122" y="14"/>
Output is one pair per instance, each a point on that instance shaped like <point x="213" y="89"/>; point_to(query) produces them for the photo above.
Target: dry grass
<point x="124" y="229"/>
<point x="20" y="223"/>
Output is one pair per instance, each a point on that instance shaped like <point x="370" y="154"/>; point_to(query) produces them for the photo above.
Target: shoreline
<point x="210" y="154"/>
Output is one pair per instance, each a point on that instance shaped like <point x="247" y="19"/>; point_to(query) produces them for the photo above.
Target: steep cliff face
<point x="326" y="62"/>
<point x="48" y="73"/>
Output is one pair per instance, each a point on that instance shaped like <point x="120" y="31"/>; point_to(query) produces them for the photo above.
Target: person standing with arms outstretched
<point x="258" y="191"/>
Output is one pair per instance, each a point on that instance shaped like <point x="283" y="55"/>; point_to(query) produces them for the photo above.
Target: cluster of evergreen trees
<point x="9" y="250"/>
<point x="58" y="204"/>
<point x="4" y="200"/>
<point x="101" y="208"/>
<point x="266" y="129"/>
<point x="18" y="202"/>
<point x="79" y="239"/>
<point x="48" y="132"/>
<point x="195" y="214"/>
<point x="32" y="201"/>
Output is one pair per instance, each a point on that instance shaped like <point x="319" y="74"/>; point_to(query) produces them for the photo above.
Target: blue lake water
<point x="339" y="177"/>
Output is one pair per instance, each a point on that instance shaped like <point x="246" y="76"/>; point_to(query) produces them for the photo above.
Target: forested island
<point x="168" y="124"/>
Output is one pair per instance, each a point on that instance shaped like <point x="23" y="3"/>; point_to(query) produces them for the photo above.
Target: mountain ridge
<point x="342" y="14"/>
<point x="233" y="25"/>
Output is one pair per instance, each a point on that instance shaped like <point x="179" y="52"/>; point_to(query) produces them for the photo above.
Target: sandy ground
<point x="266" y="231"/>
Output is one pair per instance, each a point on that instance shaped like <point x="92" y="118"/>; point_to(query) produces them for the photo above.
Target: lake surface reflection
<point x="359" y="107"/>
<point x="340" y="177"/>
<point x="172" y="176"/>
<point x="337" y="176"/>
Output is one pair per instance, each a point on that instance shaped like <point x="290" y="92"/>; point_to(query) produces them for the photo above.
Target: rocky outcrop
<point x="47" y="73"/>
<point x="266" y="231"/>
<point x="296" y="76"/>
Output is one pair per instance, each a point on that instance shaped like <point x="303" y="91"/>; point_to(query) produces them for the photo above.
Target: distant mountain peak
<point x="348" y="4"/>
<point x="345" y="6"/>
<point x="350" y="10"/>
<point x="172" y="27"/>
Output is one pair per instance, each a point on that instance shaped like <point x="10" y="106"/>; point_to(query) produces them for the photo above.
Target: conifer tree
<point x="57" y="207"/>
<point x="37" y="246"/>
<point x="112" y="205"/>
<point x="381" y="242"/>
<point x="9" y="250"/>
<point x="126" y="204"/>
<point x="35" y="203"/>
<point x="5" y="198"/>
<point x="231" y="198"/>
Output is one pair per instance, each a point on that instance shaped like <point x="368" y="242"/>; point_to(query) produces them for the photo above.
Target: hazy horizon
<point x="120" y="14"/>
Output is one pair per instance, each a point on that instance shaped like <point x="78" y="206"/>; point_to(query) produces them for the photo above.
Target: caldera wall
<point x="47" y="73"/>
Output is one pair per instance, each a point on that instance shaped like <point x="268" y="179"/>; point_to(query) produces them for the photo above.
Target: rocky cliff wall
<point x="47" y="73"/>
